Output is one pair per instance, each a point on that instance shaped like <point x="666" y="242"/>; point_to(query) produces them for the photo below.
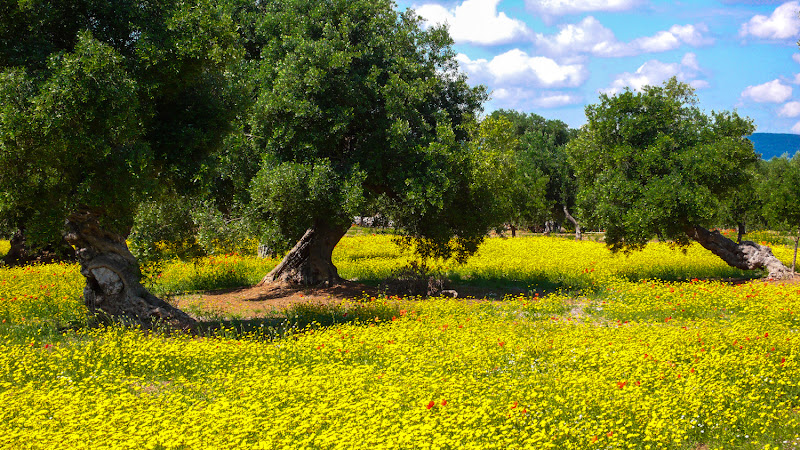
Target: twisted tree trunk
<point x="310" y="261"/>
<point x="746" y="256"/>
<point x="112" y="278"/>
<point x="574" y="222"/>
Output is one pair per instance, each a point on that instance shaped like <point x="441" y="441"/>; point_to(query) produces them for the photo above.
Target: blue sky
<point x="553" y="57"/>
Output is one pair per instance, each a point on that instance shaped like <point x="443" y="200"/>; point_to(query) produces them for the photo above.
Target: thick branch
<point x="746" y="256"/>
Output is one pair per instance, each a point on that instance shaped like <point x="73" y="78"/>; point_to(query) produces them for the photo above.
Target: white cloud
<point x="590" y="36"/>
<point x="692" y="34"/>
<point x="476" y="22"/>
<point x="549" y="8"/>
<point x="791" y="109"/>
<point x="655" y="72"/>
<point x="782" y="24"/>
<point x="517" y="67"/>
<point x="796" y="128"/>
<point x="796" y="57"/>
<point x="660" y="42"/>
<point x="587" y="36"/>
<point x="690" y="61"/>
<point x="771" y="92"/>
<point x="522" y="98"/>
<point x="796" y="79"/>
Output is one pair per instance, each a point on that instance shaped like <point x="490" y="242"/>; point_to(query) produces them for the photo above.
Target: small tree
<point x="360" y="108"/>
<point x="741" y="208"/>
<point x="781" y="196"/>
<point x="102" y="104"/>
<point x="651" y="164"/>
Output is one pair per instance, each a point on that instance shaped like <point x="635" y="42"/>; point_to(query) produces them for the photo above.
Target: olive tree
<point x="652" y="164"/>
<point x="102" y="104"/>
<point x="358" y="107"/>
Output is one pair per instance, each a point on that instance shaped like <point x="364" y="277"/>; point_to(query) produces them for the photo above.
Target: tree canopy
<point x="101" y="103"/>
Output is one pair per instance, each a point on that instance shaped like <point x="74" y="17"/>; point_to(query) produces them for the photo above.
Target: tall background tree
<point x="780" y="193"/>
<point x="651" y="164"/>
<point x="360" y="108"/>
<point x="545" y="185"/>
<point x="102" y="105"/>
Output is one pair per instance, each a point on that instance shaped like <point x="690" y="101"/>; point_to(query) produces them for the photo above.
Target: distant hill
<point x="775" y="144"/>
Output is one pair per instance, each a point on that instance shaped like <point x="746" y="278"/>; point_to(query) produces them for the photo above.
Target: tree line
<point x="210" y="120"/>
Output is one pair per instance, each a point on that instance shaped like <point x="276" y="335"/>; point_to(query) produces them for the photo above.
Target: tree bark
<point x="310" y="261"/>
<point x="513" y="230"/>
<point x="574" y="222"/>
<point x="112" y="278"/>
<point x="550" y="226"/>
<point x="742" y="232"/>
<point x="746" y="256"/>
<point x="21" y="254"/>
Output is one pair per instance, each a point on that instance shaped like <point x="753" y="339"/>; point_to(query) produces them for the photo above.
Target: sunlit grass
<point x="516" y="373"/>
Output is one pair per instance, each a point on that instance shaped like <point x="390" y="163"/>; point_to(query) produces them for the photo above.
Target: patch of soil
<point x="794" y="281"/>
<point x="273" y="300"/>
<point x="269" y="300"/>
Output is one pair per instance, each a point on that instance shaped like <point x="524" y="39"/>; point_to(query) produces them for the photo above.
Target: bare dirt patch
<point x="273" y="300"/>
<point x="270" y="300"/>
<point x="794" y="281"/>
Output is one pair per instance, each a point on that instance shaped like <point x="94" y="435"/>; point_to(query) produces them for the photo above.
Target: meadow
<point x="654" y="349"/>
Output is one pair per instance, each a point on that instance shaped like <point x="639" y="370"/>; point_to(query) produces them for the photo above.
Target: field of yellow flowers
<point x="621" y="351"/>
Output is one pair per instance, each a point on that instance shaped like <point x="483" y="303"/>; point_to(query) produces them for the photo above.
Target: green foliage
<point x="71" y="130"/>
<point x="743" y="205"/>
<point x="291" y="197"/>
<point x="101" y="102"/>
<point x="164" y="228"/>
<point x="781" y="192"/>
<point x="652" y="164"/>
<point x="544" y="181"/>
<point x="186" y="227"/>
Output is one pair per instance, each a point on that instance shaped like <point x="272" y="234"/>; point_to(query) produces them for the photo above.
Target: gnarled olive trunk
<point x="112" y="278"/>
<point x="310" y="261"/>
<point x="746" y="256"/>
